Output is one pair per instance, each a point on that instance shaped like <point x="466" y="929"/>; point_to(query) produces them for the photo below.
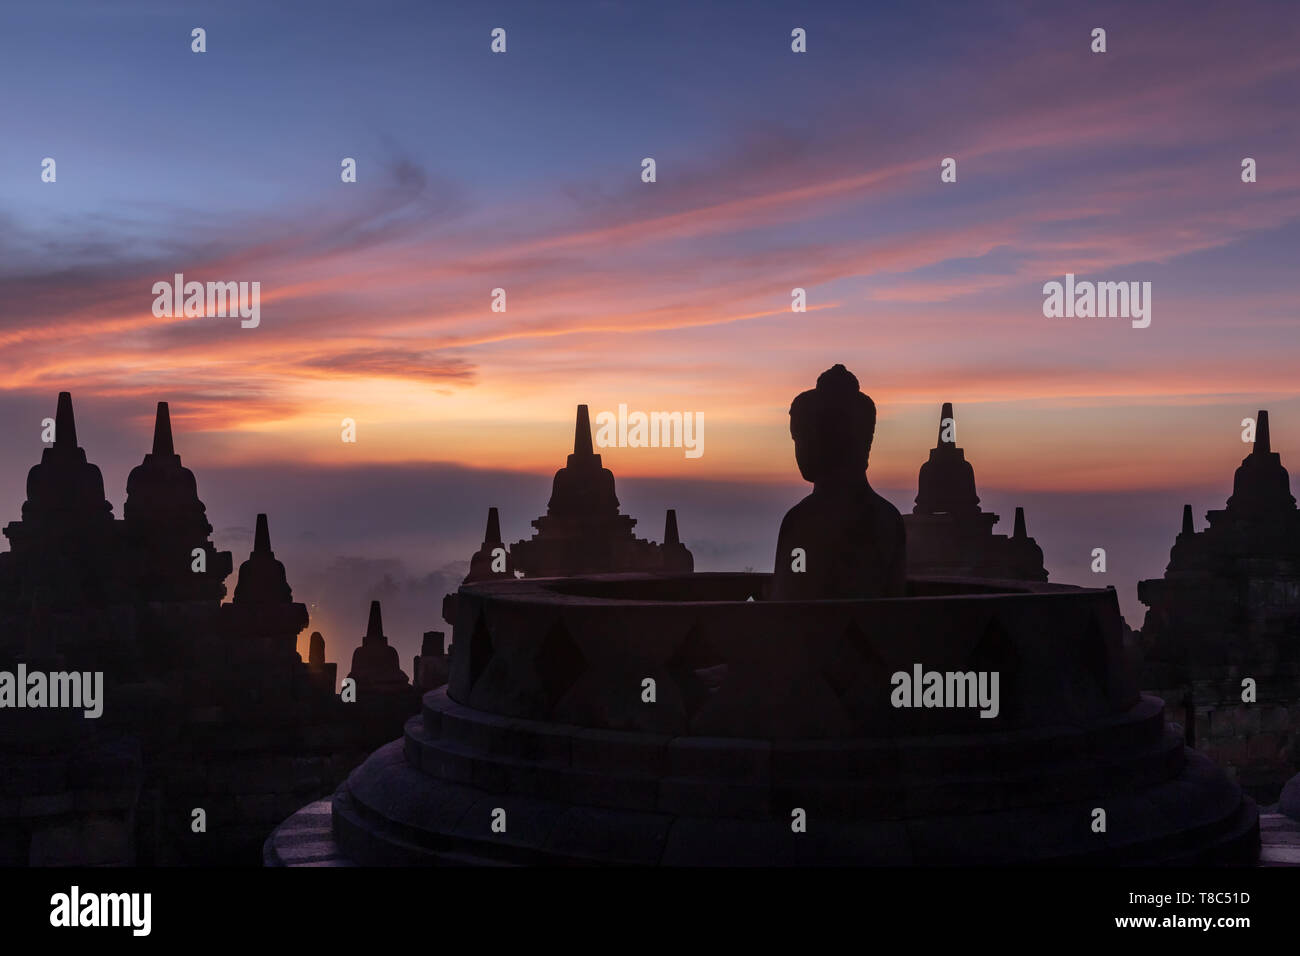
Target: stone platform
<point x="764" y="708"/>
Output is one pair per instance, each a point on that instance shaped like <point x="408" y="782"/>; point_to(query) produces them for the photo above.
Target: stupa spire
<point x="162" y="432"/>
<point x="1188" y="527"/>
<point x="1019" y="531"/>
<point x="491" y="560"/>
<point x="1262" y="443"/>
<point x="945" y="415"/>
<point x="262" y="537"/>
<point x="375" y="626"/>
<point x="582" y="434"/>
<point x="316" y="649"/>
<point x="65" y="426"/>
<point x="670" y="528"/>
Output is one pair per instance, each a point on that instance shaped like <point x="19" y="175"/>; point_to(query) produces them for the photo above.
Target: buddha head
<point x="832" y="426"/>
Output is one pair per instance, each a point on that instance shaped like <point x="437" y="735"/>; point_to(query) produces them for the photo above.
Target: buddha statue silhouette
<point x="850" y="541"/>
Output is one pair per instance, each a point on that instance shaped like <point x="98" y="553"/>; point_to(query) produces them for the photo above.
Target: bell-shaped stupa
<point x="1228" y="608"/>
<point x="582" y="531"/>
<point x="166" y="524"/>
<point x="1261" y="488"/>
<point x="263" y="606"/>
<point x="262" y="578"/>
<point x="948" y="534"/>
<point x="375" y="667"/>
<point x="946" y="484"/>
<point x="67" y="539"/>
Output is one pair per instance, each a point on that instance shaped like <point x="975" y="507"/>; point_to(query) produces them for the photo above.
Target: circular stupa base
<point x="567" y="794"/>
<point x="771" y="733"/>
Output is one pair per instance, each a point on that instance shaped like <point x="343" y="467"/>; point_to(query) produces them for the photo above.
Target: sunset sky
<point x="523" y="171"/>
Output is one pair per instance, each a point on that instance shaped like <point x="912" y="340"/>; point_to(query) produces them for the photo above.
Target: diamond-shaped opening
<point x="559" y="663"/>
<point x="996" y="651"/>
<point x="860" y="680"/>
<point x="698" y="669"/>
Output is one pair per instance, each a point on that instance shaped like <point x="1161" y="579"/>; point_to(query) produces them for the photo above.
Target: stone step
<point x="387" y="817"/>
<point x="388" y="812"/>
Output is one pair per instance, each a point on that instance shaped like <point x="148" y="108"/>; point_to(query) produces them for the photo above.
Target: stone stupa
<point x="67" y="535"/>
<point x="166" y="523"/>
<point x="384" y="698"/>
<point x="948" y="534"/>
<point x="582" y="531"/>
<point x="1228" y="609"/>
<point x="263" y="608"/>
<point x="375" y="666"/>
